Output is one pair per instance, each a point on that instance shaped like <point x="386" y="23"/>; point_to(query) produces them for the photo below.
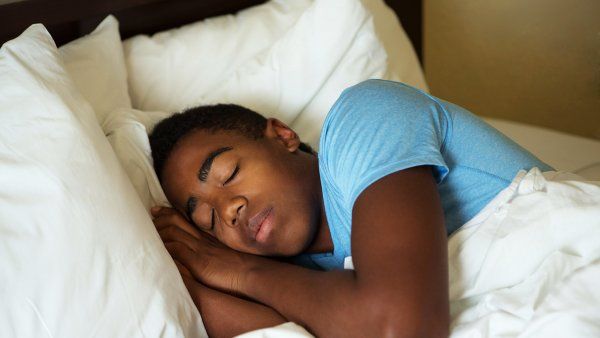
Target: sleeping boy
<point x="262" y="226"/>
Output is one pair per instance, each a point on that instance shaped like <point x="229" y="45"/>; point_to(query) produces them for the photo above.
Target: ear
<point x="283" y="134"/>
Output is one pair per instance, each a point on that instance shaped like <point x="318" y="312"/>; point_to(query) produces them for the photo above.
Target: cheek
<point x="297" y="235"/>
<point x="237" y="240"/>
<point x="232" y="238"/>
<point x="275" y="182"/>
<point x="282" y="182"/>
<point x="293" y="195"/>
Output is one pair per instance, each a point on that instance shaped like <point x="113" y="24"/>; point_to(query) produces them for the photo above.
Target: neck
<point x="322" y="241"/>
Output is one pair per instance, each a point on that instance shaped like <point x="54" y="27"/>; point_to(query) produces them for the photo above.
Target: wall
<point x="533" y="61"/>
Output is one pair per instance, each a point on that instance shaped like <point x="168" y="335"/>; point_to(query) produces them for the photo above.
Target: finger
<point x="165" y="221"/>
<point x="176" y="234"/>
<point x="158" y="211"/>
<point x="154" y="210"/>
<point x="183" y="270"/>
<point x="189" y="282"/>
<point x="168" y="220"/>
<point x="188" y="259"/>
<point x="186" y="275"/>
<point x="181" y="254"/>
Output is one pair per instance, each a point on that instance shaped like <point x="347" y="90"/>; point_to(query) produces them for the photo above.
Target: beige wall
<point x="533" y="61"/>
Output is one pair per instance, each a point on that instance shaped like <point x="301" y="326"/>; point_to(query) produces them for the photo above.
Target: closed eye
<point x="190" y="206"/>
<point x="235" y="172"/>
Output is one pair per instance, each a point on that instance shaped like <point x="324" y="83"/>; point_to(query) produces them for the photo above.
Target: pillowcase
<point x="296" y="77"/>
<point x="96" y="65"/>
<point x="127" y="131"/>
<point x="80" y="256"/>
<point x="173" y="69"/>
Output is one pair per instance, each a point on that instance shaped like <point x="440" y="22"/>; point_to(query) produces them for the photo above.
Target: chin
<point x="282" y="250"/>
<point x="296" y="244"/>
<point x="286" y="247"/>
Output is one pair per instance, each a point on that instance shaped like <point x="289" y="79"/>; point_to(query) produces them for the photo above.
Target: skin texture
<point x="399" y="287"/>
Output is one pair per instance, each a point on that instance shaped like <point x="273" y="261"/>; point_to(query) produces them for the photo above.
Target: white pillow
<point x="297" y="77"/>
<point x="127" y="131"/>
<point x="96" y="64"/>
<point x="330" y="47"/>
<point x="171" y="69"/>
<point x="80" y="256"/>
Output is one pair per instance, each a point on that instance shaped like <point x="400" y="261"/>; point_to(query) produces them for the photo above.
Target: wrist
<point x="252" y="266"/>
<point x="195" y="289"/>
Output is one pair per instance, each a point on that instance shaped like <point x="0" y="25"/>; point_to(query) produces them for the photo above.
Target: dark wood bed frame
<point x="69" y="19"/>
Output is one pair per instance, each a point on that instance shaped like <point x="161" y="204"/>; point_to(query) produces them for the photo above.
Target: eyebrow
<point x="190" y="204"/>
<point x="207" y="164"/>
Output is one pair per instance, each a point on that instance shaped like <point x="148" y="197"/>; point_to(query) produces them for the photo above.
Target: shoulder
<point x="379" y="126"/>
<point x="376" y="104"/>
<point x="375" y="91"/>
<point x="375" y="101"/>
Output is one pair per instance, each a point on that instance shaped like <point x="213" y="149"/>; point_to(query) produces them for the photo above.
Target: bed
<point x="75" y="162"/>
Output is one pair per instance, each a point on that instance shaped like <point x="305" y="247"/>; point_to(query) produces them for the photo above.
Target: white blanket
<point x="527" y="265"/>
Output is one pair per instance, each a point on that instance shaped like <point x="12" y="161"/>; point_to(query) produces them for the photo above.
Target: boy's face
<point x="254" y="197"/>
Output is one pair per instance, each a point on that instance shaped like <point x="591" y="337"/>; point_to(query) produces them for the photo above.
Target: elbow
<point x="407" y="320"/>
<point x="414" y="330"/>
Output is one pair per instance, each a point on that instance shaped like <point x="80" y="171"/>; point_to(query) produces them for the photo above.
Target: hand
<point x="199" y="254"/>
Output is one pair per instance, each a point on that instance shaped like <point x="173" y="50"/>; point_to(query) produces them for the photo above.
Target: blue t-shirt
<point x="379" y="127"/>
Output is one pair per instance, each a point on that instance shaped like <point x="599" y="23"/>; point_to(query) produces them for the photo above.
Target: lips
<point x="255" y="223"/>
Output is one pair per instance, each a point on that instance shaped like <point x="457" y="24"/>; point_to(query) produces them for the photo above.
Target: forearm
<point x="327" y="303"/>
<point x="225" y="315"/>
<point x="346" y="303"/>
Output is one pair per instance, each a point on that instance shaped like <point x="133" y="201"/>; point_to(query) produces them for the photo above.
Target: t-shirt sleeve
<point x="377" y="128"/>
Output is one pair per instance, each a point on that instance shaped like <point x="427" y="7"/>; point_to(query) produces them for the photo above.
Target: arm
<point x="400" y="283"/>
<point x="223" y="315"/>
<point x="227" y="316"/>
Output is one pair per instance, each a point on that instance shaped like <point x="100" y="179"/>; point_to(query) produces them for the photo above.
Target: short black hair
<point x="220" y="117"/>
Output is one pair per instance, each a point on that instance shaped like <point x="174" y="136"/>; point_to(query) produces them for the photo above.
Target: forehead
<point x="203" y="142"/>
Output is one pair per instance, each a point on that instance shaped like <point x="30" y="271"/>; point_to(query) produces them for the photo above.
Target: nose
<point x="232" y="210"/>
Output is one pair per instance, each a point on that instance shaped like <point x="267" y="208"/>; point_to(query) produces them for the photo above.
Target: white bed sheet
<point x="563" y="151"/>
<point x="527" y="264"/>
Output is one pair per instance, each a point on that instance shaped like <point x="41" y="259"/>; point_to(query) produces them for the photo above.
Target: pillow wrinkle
<point x="78" y="242"/>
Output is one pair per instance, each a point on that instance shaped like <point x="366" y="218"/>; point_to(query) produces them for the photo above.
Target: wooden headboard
<point x="69" y="19"/>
